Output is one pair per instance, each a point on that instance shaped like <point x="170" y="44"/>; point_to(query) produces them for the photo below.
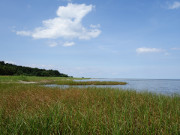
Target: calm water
<point x="162" y="86"/>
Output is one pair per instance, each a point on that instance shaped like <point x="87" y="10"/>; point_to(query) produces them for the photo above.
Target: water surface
<point x="162" y="86"/>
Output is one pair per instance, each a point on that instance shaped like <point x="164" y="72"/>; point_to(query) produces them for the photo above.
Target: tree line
<point x="11" y="69"/>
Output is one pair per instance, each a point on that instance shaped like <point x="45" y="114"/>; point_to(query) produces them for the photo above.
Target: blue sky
<point x="102" y="38"/>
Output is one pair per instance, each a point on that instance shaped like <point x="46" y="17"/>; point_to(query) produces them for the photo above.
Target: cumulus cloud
<point x="148" y="50"/>
<point x="174" y="5"/>
<point x="67" y="44"/>
<point x="66" y="25"/>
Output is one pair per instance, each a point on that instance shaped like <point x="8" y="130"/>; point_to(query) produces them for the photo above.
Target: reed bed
<point x="15" y="79"/>
<point x="70" y="82"/>
<point x="33" y="109"/>
<point x="55" y="80"/>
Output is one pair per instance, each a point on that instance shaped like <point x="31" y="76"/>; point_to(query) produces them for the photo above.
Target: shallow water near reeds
<point x="159" y="86"/>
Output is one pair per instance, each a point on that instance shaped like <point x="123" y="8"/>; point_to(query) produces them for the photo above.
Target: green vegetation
<point x="16" y="79"/>
<point x="10" y="69"/>
<point x="34" y="109"/>
<point x="55" y="80"/>
<point x="71" y="82"/>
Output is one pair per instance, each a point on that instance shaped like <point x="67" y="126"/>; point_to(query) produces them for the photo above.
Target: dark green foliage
<point x="11" y="69"/>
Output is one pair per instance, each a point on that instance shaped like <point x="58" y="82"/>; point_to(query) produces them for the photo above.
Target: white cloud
<point x="52" y="44"/>
<point x="174" y="5"/>
<point x="148" y="50"/>
<point x="24" y="33"/>
<point x="67" y="44"/>
<point x="67" y="24"/>
<point x="95" y="26"/>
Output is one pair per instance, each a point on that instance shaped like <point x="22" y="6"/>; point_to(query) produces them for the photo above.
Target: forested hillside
<point x="11" y="69"/>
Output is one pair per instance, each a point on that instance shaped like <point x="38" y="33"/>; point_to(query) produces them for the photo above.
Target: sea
<point x="159" y="86"/>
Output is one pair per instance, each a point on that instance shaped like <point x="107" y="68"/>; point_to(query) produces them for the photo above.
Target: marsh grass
<point x="13" y="79"/>
<point x="71" y="82"/>
<point x="55" y="80"/>
<point x="33" y="109"/>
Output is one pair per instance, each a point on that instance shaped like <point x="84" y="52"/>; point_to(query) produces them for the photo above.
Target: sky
<point x="93" y="38"/>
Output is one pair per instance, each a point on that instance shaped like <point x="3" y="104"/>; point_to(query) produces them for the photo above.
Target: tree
<point x="10" y="69"/>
